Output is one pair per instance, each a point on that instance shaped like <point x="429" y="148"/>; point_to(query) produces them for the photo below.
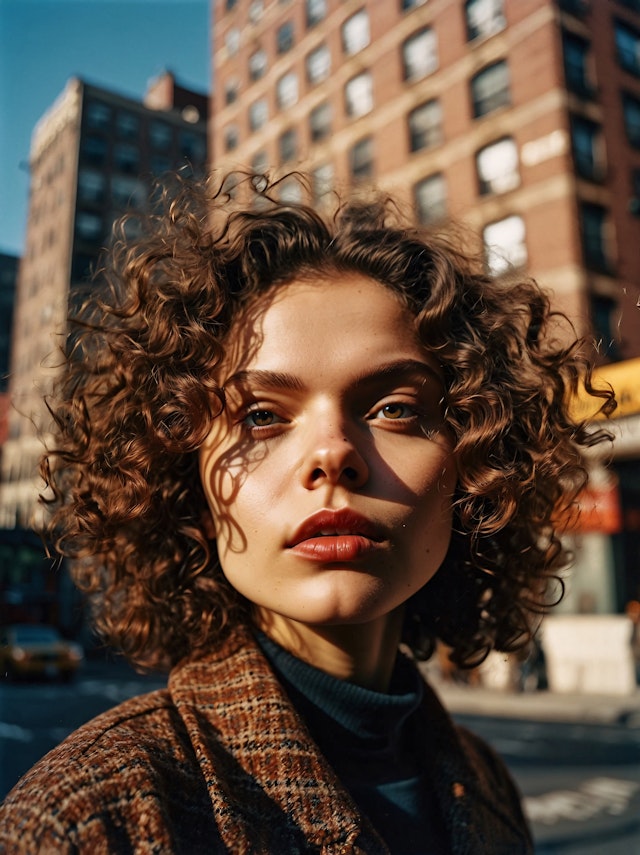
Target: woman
<point x="288" y="446"/>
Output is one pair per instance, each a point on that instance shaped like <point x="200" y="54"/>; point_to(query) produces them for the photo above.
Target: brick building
<point x="518" y="118"/>
<point x="93" y="155"/>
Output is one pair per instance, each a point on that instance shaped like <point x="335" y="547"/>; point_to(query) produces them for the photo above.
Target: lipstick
<point x="335" y="536"/>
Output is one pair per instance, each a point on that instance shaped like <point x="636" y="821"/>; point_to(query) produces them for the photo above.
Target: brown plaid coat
<point x="220" y="762"/>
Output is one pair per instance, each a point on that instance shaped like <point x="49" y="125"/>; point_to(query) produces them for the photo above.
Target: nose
<point x="333" y="458"/>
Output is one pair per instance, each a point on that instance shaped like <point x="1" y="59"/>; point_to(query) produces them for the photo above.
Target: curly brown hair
<point x="136" y="400"/>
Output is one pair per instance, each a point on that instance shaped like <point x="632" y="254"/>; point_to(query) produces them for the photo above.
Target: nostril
<point x="351" y="473"/>
<point x="317" y="473"/>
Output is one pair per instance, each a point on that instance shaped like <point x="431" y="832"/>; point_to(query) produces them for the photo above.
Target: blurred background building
<point x="519" y="119"/>
<point x="93" y="157"/>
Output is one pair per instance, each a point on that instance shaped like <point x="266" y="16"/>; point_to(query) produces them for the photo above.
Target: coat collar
<point x="271" y="788"/>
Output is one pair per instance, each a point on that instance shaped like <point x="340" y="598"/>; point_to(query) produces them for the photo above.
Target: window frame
<point x="437" y="212"/>
<point x="350" y="103"/>
<point x="493" y="185"/>
<point x="498" y="98"/>
<point x="429" y="68"/>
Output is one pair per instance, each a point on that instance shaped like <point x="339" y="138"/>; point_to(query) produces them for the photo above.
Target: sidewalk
<point x="539" y="705"/>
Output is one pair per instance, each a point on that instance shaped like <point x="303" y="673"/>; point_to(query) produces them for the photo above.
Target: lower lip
<point x="335" y="548"/>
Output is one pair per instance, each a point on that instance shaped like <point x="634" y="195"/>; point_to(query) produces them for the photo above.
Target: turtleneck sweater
<point x="368" y="737"/>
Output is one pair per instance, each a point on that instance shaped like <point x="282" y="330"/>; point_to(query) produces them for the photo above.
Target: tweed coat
<point x="221" y="762"/>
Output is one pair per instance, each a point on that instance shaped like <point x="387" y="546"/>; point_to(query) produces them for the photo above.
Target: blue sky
<point x="117" y="44"/>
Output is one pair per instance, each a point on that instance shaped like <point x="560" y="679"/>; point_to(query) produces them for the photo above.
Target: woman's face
<point x="330" y="474"/>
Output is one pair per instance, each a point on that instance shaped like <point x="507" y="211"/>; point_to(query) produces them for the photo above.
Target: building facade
<point x="519" y="119"/>
<point x="93" y="157"/>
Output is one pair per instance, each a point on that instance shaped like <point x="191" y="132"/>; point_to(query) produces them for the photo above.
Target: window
<point x="231" y="89"/>
<point x="288" y="145"/>
<point x="258" y="114"/>
<point x="257" y="64"/>
<point x="318" y="64"/>
<point x="290" y="192"/>
<point x="420" y="55"/>
<point x="322" y="178"/>
<point x="232" y="41"/>
<point x="159" y="164"/>
<point x="628" y="47"/>
<point x="284" y="37"/>
<point x="355" y="33"/>
<point x="504" y="244"/>
<point x="359" y="95"/>
<point x="91" y="186"/>
<point x="631" y="112"/>
<point x="586" y="142"/>
<point x="484" y="18"/>
<point x="260" y="162"/>
<point x="231" y="4"/>
<point x="160" y="135"/>
<point x="405" y="5"/>
<point x="256" y="10"/>
<point x="634" y="201"/>
<point x="430" y="196"/>
<point x="127" y="125"/>
<point x="193" y="147"/>
<point x="287" y="90"/>
<point x="602" y="309"/>
<point x="576" y="64"/>
<point x="490" y="89"/>
<point x="126" y="157"/>
<point x="361" y="159"/>
<point x="127" y="192"/>
<point x="497" y="166"/>
<point x="320" y="122"/>
<point x="94" y="150"/>
<point x="316" y="11"/>
<point x="593" y="221"/>
<point x="231" y="138"/>
<point x="89" y="226"/>
<point x="97" y="115"/>
<point x="425" y="126"/>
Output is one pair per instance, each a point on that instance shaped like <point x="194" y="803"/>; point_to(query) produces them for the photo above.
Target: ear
<point x="208" y="525"/>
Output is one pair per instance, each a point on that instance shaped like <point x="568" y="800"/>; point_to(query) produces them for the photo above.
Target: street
<point x="580" y="781"/>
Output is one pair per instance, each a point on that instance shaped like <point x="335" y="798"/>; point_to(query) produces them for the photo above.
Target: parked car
<point x="38" y="651"/>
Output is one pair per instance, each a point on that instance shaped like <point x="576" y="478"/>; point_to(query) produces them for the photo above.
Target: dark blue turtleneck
<point x="369" y="738"/>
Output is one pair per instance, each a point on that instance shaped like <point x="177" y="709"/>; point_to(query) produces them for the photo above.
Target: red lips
<point x="334" y="536"/>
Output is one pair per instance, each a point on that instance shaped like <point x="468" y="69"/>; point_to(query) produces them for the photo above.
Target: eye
<point x="395" y="411"/>
<point x="261" y="418"/>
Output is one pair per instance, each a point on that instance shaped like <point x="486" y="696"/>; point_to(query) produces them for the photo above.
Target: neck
<point x="363" y="654"/>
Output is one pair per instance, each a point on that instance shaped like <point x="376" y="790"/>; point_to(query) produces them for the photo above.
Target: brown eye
<point x="260" y="418"/>
<point x="395" y="411"/>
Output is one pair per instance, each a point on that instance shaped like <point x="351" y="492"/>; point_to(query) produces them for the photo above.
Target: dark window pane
<point x="361" y="159"/>
<point x="284" y="38"/>
<point x="425" y="126"/>
<point x="490" y="89"/>
<point x="430" y="196"/>
<point x="576" y="64"/>
<point x="628" y="47"/>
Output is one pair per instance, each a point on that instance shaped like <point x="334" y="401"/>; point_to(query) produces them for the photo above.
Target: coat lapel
<point x="270" y="787"/>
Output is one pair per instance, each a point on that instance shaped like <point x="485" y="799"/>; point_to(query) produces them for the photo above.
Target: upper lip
<point x="329" y="522"/>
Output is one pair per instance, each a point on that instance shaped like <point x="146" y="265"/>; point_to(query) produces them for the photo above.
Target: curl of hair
<point x="136" y="399"/>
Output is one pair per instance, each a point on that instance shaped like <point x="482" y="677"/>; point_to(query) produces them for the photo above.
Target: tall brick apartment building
<point x="519" y="118"/>
<point x="92" y="158"/>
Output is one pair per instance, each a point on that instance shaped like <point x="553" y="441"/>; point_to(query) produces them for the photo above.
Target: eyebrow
<point x="290" y="382"/>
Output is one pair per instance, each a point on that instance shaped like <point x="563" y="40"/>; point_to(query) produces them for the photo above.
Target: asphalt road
<point x="580" y="782"/>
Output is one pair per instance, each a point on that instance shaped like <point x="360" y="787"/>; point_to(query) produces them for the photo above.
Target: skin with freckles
<point x="332" y="406"/>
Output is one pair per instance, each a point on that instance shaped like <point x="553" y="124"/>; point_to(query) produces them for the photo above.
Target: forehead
<point x="349" y="314"/>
